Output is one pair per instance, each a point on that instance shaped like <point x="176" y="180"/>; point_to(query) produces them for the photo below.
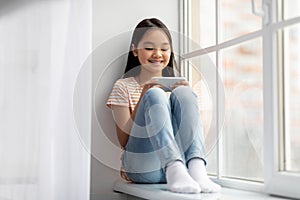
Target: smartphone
<point x="168" y="81"/>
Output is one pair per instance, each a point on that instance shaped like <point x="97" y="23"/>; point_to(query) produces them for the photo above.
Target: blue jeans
<point x="164" y="130"/>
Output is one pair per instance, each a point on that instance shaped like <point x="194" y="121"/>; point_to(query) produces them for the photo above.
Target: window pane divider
<point x="223" y="45"/>
<point x="282" y="24"/>
<point x="273" y="27"/>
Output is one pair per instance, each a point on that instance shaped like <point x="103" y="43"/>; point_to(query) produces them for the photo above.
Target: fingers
<point x="184" y="83"/>
<point x="150" y="83"/>
<point x="148" y="86"/>
<point x="180" y="83"/>
<point x="154" y="83"/>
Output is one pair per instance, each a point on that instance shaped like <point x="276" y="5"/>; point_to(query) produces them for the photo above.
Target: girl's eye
<point x="151" y="49"/>
<point x="148" y="48"/>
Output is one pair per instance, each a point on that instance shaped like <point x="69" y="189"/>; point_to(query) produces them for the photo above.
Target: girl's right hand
<point x="146" y="86"/>
<point x="149" y="84"/>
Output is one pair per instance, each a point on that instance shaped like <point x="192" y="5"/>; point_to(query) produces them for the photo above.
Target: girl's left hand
<point x="180" y="83"/>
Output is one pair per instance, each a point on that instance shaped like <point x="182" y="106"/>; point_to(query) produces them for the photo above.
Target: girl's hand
<point x="180" y="83"/>
<point x="146" y="86"/>
<point x="149" y="84"/>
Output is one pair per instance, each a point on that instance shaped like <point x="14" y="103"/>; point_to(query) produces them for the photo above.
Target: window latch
<point x="264" y="13"/>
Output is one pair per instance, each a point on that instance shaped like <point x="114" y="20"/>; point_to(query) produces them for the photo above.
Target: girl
<point x="161" y="134"/>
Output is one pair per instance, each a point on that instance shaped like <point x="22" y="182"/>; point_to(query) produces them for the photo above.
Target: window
<point x="249" y="105"/>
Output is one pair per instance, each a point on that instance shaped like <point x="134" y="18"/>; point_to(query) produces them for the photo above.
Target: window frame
<point x="275" y="181"/>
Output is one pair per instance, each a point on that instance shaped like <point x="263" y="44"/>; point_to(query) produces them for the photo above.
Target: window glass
<point x="211" y="160"/>
<point x="203" y="23"/>
<point x="292" y="97"/>
<point x="291" y="9"/>
<point x="203" y="82"/>
<point x="242" y="132"/>
<point x="237" y="18"/>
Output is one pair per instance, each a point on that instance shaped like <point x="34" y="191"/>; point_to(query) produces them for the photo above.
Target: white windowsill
<point x="159" y="191"/>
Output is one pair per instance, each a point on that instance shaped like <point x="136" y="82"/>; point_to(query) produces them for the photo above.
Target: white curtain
<point x="43" y="46"/>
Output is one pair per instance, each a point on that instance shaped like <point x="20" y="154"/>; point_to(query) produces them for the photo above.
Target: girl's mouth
<point x="155" y="61"/>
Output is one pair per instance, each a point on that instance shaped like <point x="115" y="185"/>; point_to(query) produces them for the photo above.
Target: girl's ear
<point x="134" y="51"/>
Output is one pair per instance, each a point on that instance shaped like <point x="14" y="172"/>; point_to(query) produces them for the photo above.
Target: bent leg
<point x="189" y="135"/>
<point x="187" y="123"/>
<point x="151" y="144"/>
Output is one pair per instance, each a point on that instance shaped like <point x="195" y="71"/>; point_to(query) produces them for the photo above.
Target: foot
<point x="179" y="180"/>
<point x="198" y="172"/>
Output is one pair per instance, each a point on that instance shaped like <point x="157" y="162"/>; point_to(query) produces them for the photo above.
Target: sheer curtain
<point x="43" y="46"/>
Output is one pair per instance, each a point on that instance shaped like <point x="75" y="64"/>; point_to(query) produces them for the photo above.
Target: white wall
<point x="113" y="22"/>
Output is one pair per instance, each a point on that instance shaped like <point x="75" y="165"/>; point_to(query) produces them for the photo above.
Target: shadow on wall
<point x="103" y="88"/>
<point x="8" y="6"/>
<point x="108" y="62"/>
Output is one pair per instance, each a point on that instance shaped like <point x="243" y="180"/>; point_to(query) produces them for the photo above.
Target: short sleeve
<point x="118" y="95"/>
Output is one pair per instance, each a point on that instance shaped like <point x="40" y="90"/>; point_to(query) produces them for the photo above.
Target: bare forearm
<point x="135" y="110"/>
<point x="122" y="137"/>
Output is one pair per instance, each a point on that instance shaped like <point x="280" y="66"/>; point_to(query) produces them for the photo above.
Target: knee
<point x="155" y="91"/>
<point x="184" y="92"/>
<point x="156" y="94"/>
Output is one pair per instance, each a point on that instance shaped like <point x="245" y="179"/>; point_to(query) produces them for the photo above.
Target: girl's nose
<point x="157" y="53"/>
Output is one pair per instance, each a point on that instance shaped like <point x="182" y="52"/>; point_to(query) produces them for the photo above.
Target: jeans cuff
<point x="196" y="156"/>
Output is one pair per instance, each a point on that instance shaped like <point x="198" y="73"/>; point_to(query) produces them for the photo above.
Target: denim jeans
<point x="165" y="129"/>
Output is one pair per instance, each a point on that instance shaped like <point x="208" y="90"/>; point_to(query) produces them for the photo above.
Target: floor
<point x="159" y="192"/>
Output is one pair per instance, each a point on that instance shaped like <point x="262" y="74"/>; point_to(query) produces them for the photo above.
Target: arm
<point x="124" y="120"/>
<point x="123" y="123"/>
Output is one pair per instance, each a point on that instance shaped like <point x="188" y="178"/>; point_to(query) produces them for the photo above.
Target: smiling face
<point x="153" y="51"/>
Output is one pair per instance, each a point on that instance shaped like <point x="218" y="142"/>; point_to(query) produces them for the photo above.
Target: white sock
<point x="198" y="172"/>
<point x="179" y="180"/>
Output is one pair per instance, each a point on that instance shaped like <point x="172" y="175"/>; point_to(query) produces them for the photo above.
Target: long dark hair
<point x="139" y="31"/>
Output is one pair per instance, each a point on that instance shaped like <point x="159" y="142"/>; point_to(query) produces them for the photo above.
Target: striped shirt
<point x="126" y="92"/>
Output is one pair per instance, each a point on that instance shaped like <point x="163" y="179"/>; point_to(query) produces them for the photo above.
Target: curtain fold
<point x="43" y="45"/>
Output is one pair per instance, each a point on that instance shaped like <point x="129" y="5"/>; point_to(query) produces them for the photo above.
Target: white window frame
<point x="275" y="181"/>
